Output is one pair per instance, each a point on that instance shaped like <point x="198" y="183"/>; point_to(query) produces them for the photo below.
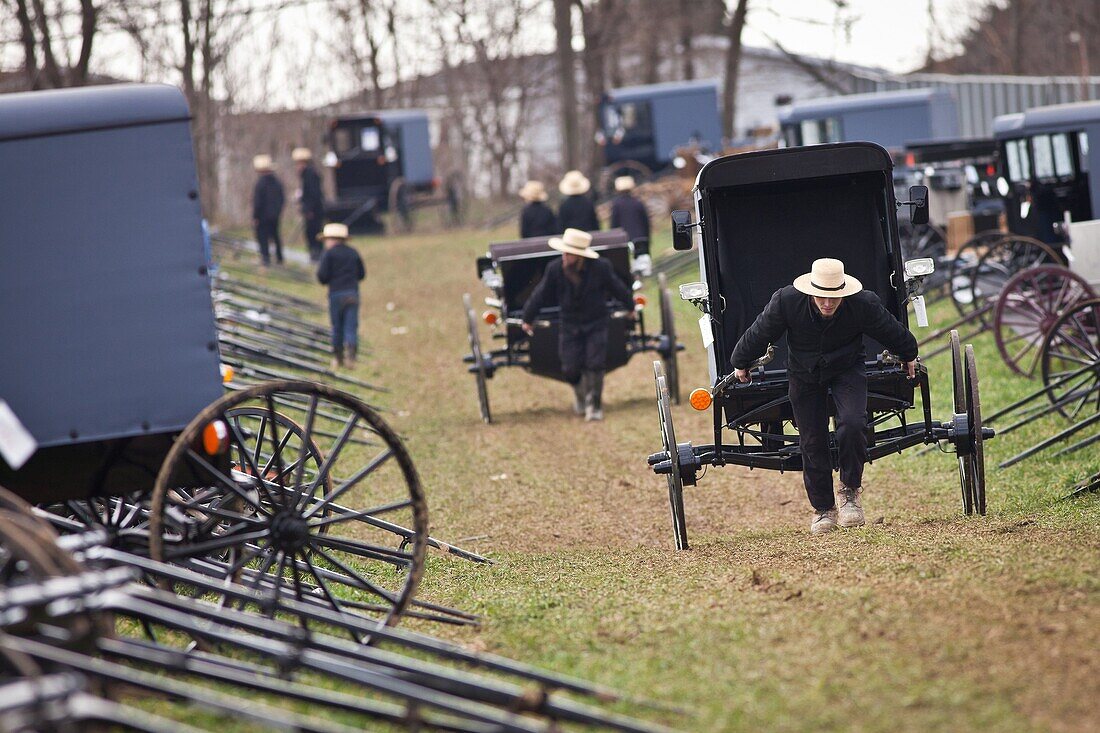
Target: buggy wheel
<point x="668" y="339"/>
<point x="1028" y="306"/>
<point x="962" y="267"/>
<point x="401" y="205"/>
<point x="1071" y="360"/>
<point x="668" y="440"/>
<point x="242" y="497"/>
<point x="958" y="402"/>
<point x="480" y="373"/>
<point x="1003" y="259"/>
<point x="974" y="419"/>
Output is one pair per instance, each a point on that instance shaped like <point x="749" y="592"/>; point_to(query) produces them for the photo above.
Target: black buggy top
<point x="768" y="215"/>
<point x="764" y="217"/>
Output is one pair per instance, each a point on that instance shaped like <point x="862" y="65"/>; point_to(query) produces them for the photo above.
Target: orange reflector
<point x="640" y="300"/>
<point x="490" y="317"/>
<point x="227" y="374"/>
<point x="700" y="399"/>
<point x="215" y="438"/>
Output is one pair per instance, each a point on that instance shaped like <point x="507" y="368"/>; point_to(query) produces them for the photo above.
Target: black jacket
<point x="584" y="303"/>
<point x="630" y="214"/>
<point x="313" y="201"/>
<point x="267" y="198"/>
<point x="341" y="268"/>
<point x="538" y="220"/>
<point x="820" y="348"/>
<point x="577" y="212"/>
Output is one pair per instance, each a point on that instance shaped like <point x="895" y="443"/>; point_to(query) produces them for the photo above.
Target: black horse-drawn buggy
<point x="763" y="217"/>
<point x="512" y="270"/>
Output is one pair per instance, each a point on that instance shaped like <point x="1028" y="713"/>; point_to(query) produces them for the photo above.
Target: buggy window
<point x="790" y="137"/>
<point x="820" y="131"/>
<point x="342" y="141"/>
<point x="1044" y="156"/>
<point x="369" y="139"/>
<point x="1019" y="164"/>
<point x="628" y="119"/>
<point x="1083" y="151"/>
<point x="1063" y="159"/>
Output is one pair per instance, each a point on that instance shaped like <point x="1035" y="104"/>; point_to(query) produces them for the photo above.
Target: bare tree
<point x="687" y="57"/>
<point x="44" y="35"/>
<point x="601" y="22"/>
<point x="735" y="23"/>
<point x="362" y="25"/>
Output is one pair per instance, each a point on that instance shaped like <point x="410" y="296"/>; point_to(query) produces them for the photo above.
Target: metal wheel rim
<point x="1002" y="260"/>
<point x="480" y="375"/>
<point x="673" y="478"/>
<point x="321" y="551"/>
<point x="965" y="259"/>
<point x="668" y="329"/>
<point x="1028" y="305"/>
<point x="1072" y="344"/>
<point x="958" y="389"/>
<point x="974" y="415"/>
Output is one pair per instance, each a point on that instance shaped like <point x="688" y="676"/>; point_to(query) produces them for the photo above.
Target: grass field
<point x="924" y="620"/>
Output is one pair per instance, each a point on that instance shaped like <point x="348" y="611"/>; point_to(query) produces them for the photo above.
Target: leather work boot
<point x="337" y="359"/>
<point x="349" y="355"/>
<point x="823" y="522"/>
<point x="849" y="508"/>
<point x="580" y="391"/>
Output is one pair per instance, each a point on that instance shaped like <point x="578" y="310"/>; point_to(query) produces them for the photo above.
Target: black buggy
<point x="763" y="217"/>
<point x="512" y="270"/>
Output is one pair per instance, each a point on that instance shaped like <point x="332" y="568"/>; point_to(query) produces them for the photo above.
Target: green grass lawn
<point x="924" y="620"/>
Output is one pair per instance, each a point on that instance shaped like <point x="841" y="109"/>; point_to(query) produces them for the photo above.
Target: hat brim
<point x="803" y="284"/>
<point x="575" y="190"/>
<point x="561" y="246"/>
<point x="529" y="198"/>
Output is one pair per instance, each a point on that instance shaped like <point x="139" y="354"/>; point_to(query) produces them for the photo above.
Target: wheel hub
<point x="289" y="531"/>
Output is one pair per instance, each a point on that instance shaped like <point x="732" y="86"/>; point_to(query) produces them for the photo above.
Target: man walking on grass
<point x="825" y="315"/>
<point x="581" y="283"/>
<point x="341" y="268"/>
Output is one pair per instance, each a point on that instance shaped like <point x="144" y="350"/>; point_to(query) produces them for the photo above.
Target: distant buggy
<point x="763" y="217"/>
<point x="512" y="270"/>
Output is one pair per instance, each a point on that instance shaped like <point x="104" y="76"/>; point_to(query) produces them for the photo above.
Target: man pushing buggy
<point x="825" y="314"/>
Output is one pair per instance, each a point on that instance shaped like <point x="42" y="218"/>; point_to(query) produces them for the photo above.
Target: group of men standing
<point x="577" y="210"/>
<point x="269" y="198"/>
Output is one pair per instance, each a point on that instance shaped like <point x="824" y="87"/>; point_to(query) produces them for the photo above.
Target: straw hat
<point x="574" y="183"/>
<point x="624" y="183"/>
<point x="334" y="231"/>
<point x="301" y="155"/>
<point x="262" y="163"/>
<point x="533" y="191"/>
<point x="575" y="242"/>
<point x="826" y="279"/>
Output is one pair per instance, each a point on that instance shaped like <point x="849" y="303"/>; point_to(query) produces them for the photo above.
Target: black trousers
<point x="809" y="400"/>
<point x="312" y="226"/>
<point x="583" y="348"/>
<point x="267" y="231"/>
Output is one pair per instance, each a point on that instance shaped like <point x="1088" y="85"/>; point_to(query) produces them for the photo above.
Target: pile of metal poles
<point x="87" y="630"/>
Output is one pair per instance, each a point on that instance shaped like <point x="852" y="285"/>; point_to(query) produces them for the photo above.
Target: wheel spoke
<point x="360" y="582"/>
<point x="225" y="480"/>
<point x="353" y="515"/>
<point x="351" y="482"/>
<point x="330" y="459"/>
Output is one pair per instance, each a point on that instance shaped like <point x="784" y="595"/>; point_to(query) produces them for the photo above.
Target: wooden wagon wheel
<point x="668" y="339"/>
<point x="958" y="401"/>
<point x="962" y="266"/>
<point x="480" y="373"/>
<point x="998" y="264"/>
<point x="974" y="419"/>
<point x="1028" y="306"/>
<point x="1070" y="362"/>
<point x="400" y="204"/>
<point x="269" y="518"/>
<point x="668" y="440"/>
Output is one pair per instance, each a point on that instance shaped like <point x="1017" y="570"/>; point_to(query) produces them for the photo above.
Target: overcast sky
<point x="892" y="34"/>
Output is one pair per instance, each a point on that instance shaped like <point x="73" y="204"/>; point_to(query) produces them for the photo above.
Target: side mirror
<point x="918" y="205"/>
<point x="681" y="229"/>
